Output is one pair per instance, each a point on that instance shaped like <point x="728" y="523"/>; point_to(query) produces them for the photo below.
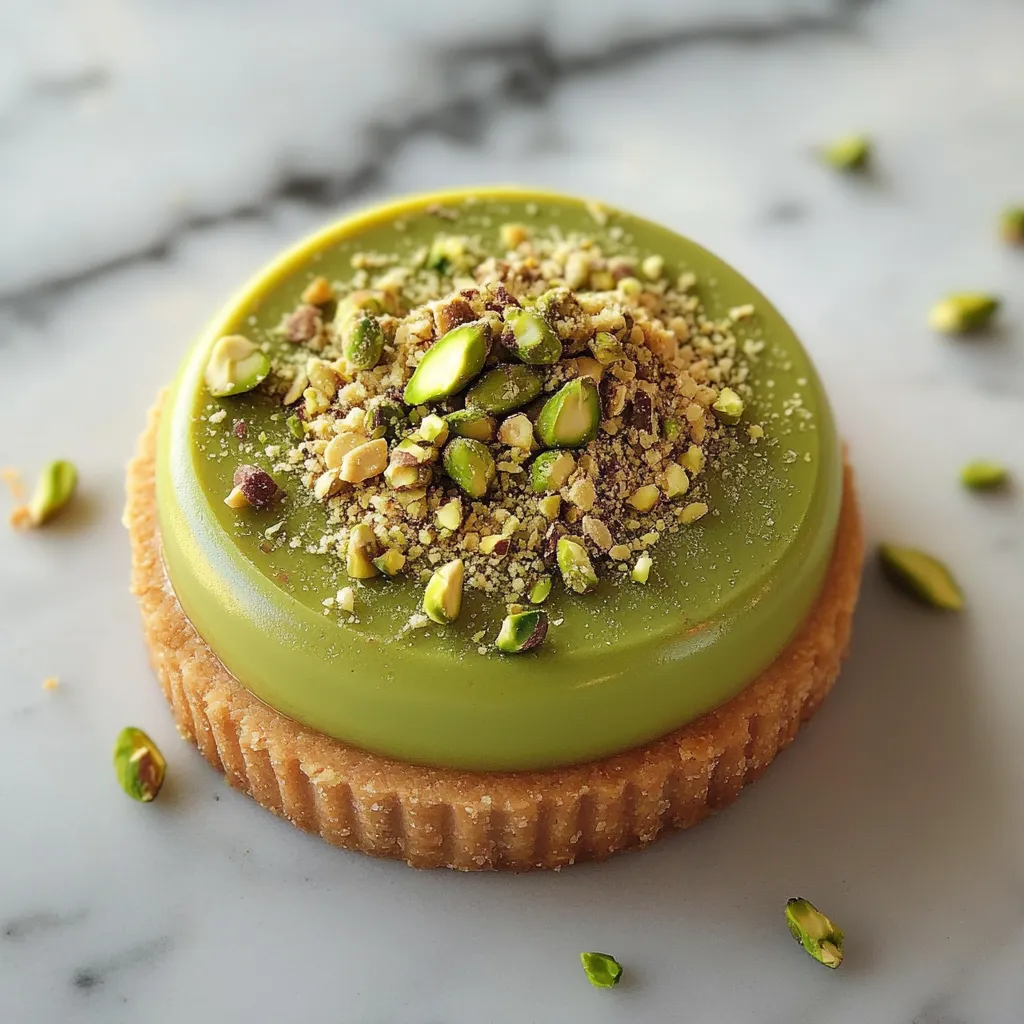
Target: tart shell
<point x="478" y="821"/>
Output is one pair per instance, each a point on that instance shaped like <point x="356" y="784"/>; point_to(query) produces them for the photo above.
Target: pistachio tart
<point x="494" y="529"/>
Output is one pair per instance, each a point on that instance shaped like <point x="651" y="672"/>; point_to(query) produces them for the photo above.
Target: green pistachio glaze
<point x="619" y="666"/>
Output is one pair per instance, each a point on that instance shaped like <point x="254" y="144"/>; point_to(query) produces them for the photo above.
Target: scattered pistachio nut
<point x="340" y="445"/>
<point x="692" y="459"/>
<point x="1011" y="225"/>
<point x="365" y="461"/>
<point x="362" y="549"/>
<point x="602" y="969"/>
<point x="921" y="576"/>
<point x="472" y="423"/>
<point x="671" y="430"/>
<point x="449" y="364"/>
<point x="541" y="590"/>
<point x="818" y="934"/>
<point x="692" y="512"/>
<point x="850" y="153"/>
<point x="597" y="532"/>
<point x="355" y="304"/>
<point x="391" y="563"/>
<point x="449" y="515"/>
<point x="575" y="566"/>
<point x="318" y="292"/>
<point x="728" y="406"/>
<point x="362" y="342"/>
<point x="676" y="482"/>
<point x="256" y="484"/>
<point x="641" y="572"/>
<point x="295" y="427"/>
<point x="497" y="545"/>
<point x="981" y="475"/>
<point x="643" y="499"/>
<point x="140" y="766"/>
<point x="532" y="338"/>
<point x="517" y="432"/>
<point x="385" y="418"/>
<point x="235" y="365"/>
<point x="570" y="418"/>
<point x="551" y="469"/>
<point x="236" y="499"/>
<point x="54" y="489"/>
<point x="470" y="465"/>
<point x="606" y="348"/>
<point x="504" y="389"/>
<point x="550" y="506"/>
<point x="442" y="599"/>
<point x="522" y="631"/>
<point x="433" y="428"/>
<point x="963" y="312"/>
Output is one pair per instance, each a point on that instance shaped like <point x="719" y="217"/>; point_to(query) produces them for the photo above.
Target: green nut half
<point x="449" y="364"/>
<point x="442" y="600"/>
<point x="362" y="342"/>
<point x="602" y="970"/>
<point x="522" y="631"/>
<point x="963" y="312"/>
<point x="541" y="590"/>
<point x="819" y="936"/>
<point x="470" y="465"/>
<point x="982" y="475"/>
<point x="921" y="576"/>
<point x="472" y="423"/>
<point x="139" y="765"/>
<point x="728" y="407"/>
<point x="235" y="366"/>
<point x="1011" y="225"/>
<point x="848" y="154"/>
<point x="575" y="565"/>
<point x="55" y="488"/>
<point x="534" y="340"/>
<point x="504" y="389"/>
<point x="571" y="416"/>
<point x="550" y="470"/>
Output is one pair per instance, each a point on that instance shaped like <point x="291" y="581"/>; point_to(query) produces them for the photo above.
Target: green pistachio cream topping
<point x="426" y="421"/>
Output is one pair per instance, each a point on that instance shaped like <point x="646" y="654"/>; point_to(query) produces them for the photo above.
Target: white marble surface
<point x="153" y="155"/>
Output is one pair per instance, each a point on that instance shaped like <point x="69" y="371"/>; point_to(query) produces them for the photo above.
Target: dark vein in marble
<point x="77" y="84"/>
<point x="145" y="954"/>
<point x="530" y="71"/>
<point x="28" y="925"/>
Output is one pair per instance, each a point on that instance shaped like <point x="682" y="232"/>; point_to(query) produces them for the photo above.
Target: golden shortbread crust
<point x="476" y="821"/>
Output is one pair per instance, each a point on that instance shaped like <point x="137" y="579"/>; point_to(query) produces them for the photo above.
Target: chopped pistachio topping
<point x="1011" y="225"/>
<point x="963" y="312"/>
<point x="693" y="460"/>
<point x="692" y="512"/>
<point x="362" y="549"/>
<point x="729" y="406"/>
<point x="677" y="483"/>
<point x="433" y="429"/>
<point x="235" y="366"/>
<point x="551" y="470"/>
<point x="820" y="937"/>
<point x="570" y="418"/>
<point x="442" y="600"/>
<point x="449" y="364"/>
<point x="504" y="389"/>
<point x="522" y="631"/>
<point x="850" y="153"/>
<point x="921" y="576"/>
<point x="391" y="563"/>
<point x="54" y="489"/>
<point x="472" y="423"/>
<point x="606" y="348"/>
<point x="642" y="570"/>
<point x="541" y="590"/>
<point x="531" y="337"/>
<point x="602" y="970"/>
<point x="139" y="765"/>
<point x="575" y="565"/>
<point x="981" y="475"/>
<point x="470" y="465"/>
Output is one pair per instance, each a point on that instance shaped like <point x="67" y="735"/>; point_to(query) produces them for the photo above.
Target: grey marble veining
<point x="152" y="156"/>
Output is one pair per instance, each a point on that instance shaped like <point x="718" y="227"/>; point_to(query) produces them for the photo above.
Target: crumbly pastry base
<point x="476" y="821"/>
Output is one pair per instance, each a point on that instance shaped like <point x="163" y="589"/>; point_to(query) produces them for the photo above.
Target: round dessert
<point x="494" y="529"/>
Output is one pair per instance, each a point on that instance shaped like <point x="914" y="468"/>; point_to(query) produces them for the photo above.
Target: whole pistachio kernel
<point x="819" y="936"/>
<point x="442" y="599"/>
<point x="1011" y="225"/>
<point x="982" y="475"/>
<point x="850" y="153"/>
<point x="235" y="366"/>
<point x="504" y="389"/>
<point x="728" y="407"/>
<point x="472" y="423"/>
<point x="449" y="364"/>
<point x="139" y="765"/>
<point x="533" y="339"/>
<point x="575" y="566"/>
<point x="963" y="312"/>
<point x="522" y="631"/>
<point x="54" y="489"/>
<point x="550" y="470"/>
<point x="541" y="590"/>
<point x="602" y="969"/>
<point x="470" y="465"/>
<point x="571" y="416"/>
<point x="362" y="342"/>
<point x="921" y="576"/>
